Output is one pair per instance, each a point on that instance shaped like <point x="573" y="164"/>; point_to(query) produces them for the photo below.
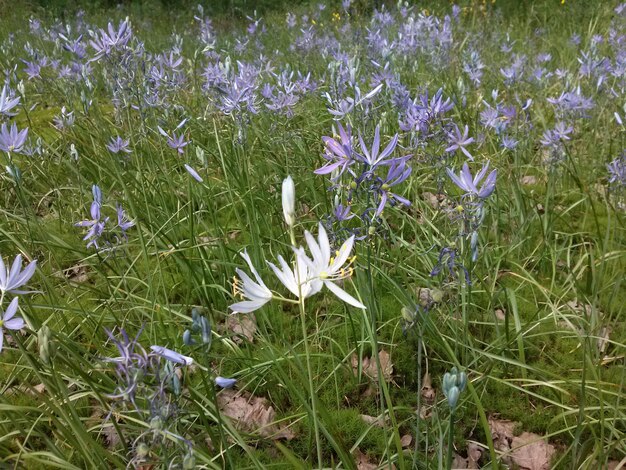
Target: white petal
<point x="344" y="253"/>
<point x="343" y="295"/>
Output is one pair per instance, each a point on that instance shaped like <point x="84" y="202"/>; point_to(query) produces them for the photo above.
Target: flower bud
<point x="43" y="340"/>
<point x="453" y="397"/>
<point x="289" y="201"/>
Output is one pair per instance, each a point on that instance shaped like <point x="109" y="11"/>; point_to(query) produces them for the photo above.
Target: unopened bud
<point x="289" y="201"/>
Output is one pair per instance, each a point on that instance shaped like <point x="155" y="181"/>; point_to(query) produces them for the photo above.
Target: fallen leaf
<point x="431" y="199"/>
<point x="531" y="452"/>
<point x="406" y="440"/>
<point x="242" y="326"/>
<point x="362" y="462"/>
<point x="370" y="367"/>
<point x="376" y="421"/>
<point x="252" y="414"/>
<point x="474" y="453"/>
<point x="428" y="392"/>
<point x="460" y="462"/>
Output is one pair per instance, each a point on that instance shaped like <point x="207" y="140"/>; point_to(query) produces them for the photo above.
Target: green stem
<point x="450" y="440"/>
<point x="311" y="386"/>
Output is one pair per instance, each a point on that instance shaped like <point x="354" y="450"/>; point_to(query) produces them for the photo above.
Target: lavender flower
<point x="617" y="171"/>
<point x="373" y="157"/>
<point x="9" y="321"/>
<point x="340" y="155"/>
<point x="7" y="102"/>
<point x="194" y="174"/>
<point x="177" y="142"/>
<point x="11" y="280"/>
<point x="117" y="145"/>
<point x="468" y="184"/>
<point x="458" y="141"/>
<point x="225" y="382"/>
<point x="12" y="140"/>
<point x="172" y="356"/>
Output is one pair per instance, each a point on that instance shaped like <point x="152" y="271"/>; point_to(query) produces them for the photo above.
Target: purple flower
<point x="96" y="224"/>
<point x="123" y="222"/>
<point x="8" y="321"/>
<point x="468" y="184"/>
<point x="7" y="102"/>
<point x="104" y="42"/>
<point x="117" y="145"/>
<point x="12" y="140"/>
<point x="398" y="172"/>
<point x="340" y="155"/>
<point x="12" y="279"/>
<point x="172" y="356"/>
<point x="224" y="382"/>
<point x="177" y="142"/>
<point x="373" y="157"/>
<point x="617" y="171"/>
<point x="459" y="141"/>
<point x="194" y="173"/>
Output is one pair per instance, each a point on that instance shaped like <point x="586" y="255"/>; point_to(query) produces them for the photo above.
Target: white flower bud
<point x="289" y="201"/>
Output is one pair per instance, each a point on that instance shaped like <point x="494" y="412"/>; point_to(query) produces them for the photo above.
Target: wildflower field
<point x="341" y="235"/>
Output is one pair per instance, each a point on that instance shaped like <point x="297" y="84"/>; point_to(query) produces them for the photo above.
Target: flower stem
<point x="450" y="440"/>
<point x="312" y="392"/>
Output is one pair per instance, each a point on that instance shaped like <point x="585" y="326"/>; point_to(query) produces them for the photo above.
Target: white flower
<point x="324" y="269"/>
<point x="289" y="201"/>
<point x="257" y="292"/>
<point x="297" y="279"/>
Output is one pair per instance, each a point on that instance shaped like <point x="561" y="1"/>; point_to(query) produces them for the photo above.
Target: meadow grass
<point x="539" y="329"/>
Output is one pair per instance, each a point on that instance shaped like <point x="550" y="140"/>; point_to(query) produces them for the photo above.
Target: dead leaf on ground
<point x="406" y="440"/>
<point x="375" y="420"/>
<point x="77" y="273"/>
<point x="242" y="326"/>
<point x="528" y="451"/>
<point x="252" y="414"/>
<point x="431" y="199"/>
<point x="370" y="367"/>
<point x="428" y="392"/>
<point x="474" y="453"/>
<point x="531" y="452"/>
<point x="363" y="462"/>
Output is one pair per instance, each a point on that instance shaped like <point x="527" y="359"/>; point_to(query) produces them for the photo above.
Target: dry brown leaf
<point x="242" y="326"/>
<point x="376" y="421"/>
<point x="474" y="453"/>
<point x="428" y="392"/>
<point x="531" y="452"/>
<point x="502" y="433"/>
<point x="252" y="414"/>
<point x="406" y="440"/>
<point x="431" y="199"/>
<point x="460" y="463"/>
<point x="370" y="368"/>
<point x="362" y="462"/>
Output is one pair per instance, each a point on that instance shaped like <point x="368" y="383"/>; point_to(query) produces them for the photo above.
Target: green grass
<point x="540" y="365"/>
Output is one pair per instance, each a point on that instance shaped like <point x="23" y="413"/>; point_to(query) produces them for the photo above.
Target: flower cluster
<point x="101" y="234"/>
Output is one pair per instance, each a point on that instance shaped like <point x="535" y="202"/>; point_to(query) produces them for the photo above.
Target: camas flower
<point x="172" y="356"/>
<point x="8" y="321"/>
<point x="12" y="279"/>
<point x="12" y="140"/>
<point x="257" y="292"/>
<point x="117" y="145"/>
<point x="326" y="270"/>
<point x="468" y="184"/>
<point x="7" y="102"/>
<point x="458" y="141"/>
